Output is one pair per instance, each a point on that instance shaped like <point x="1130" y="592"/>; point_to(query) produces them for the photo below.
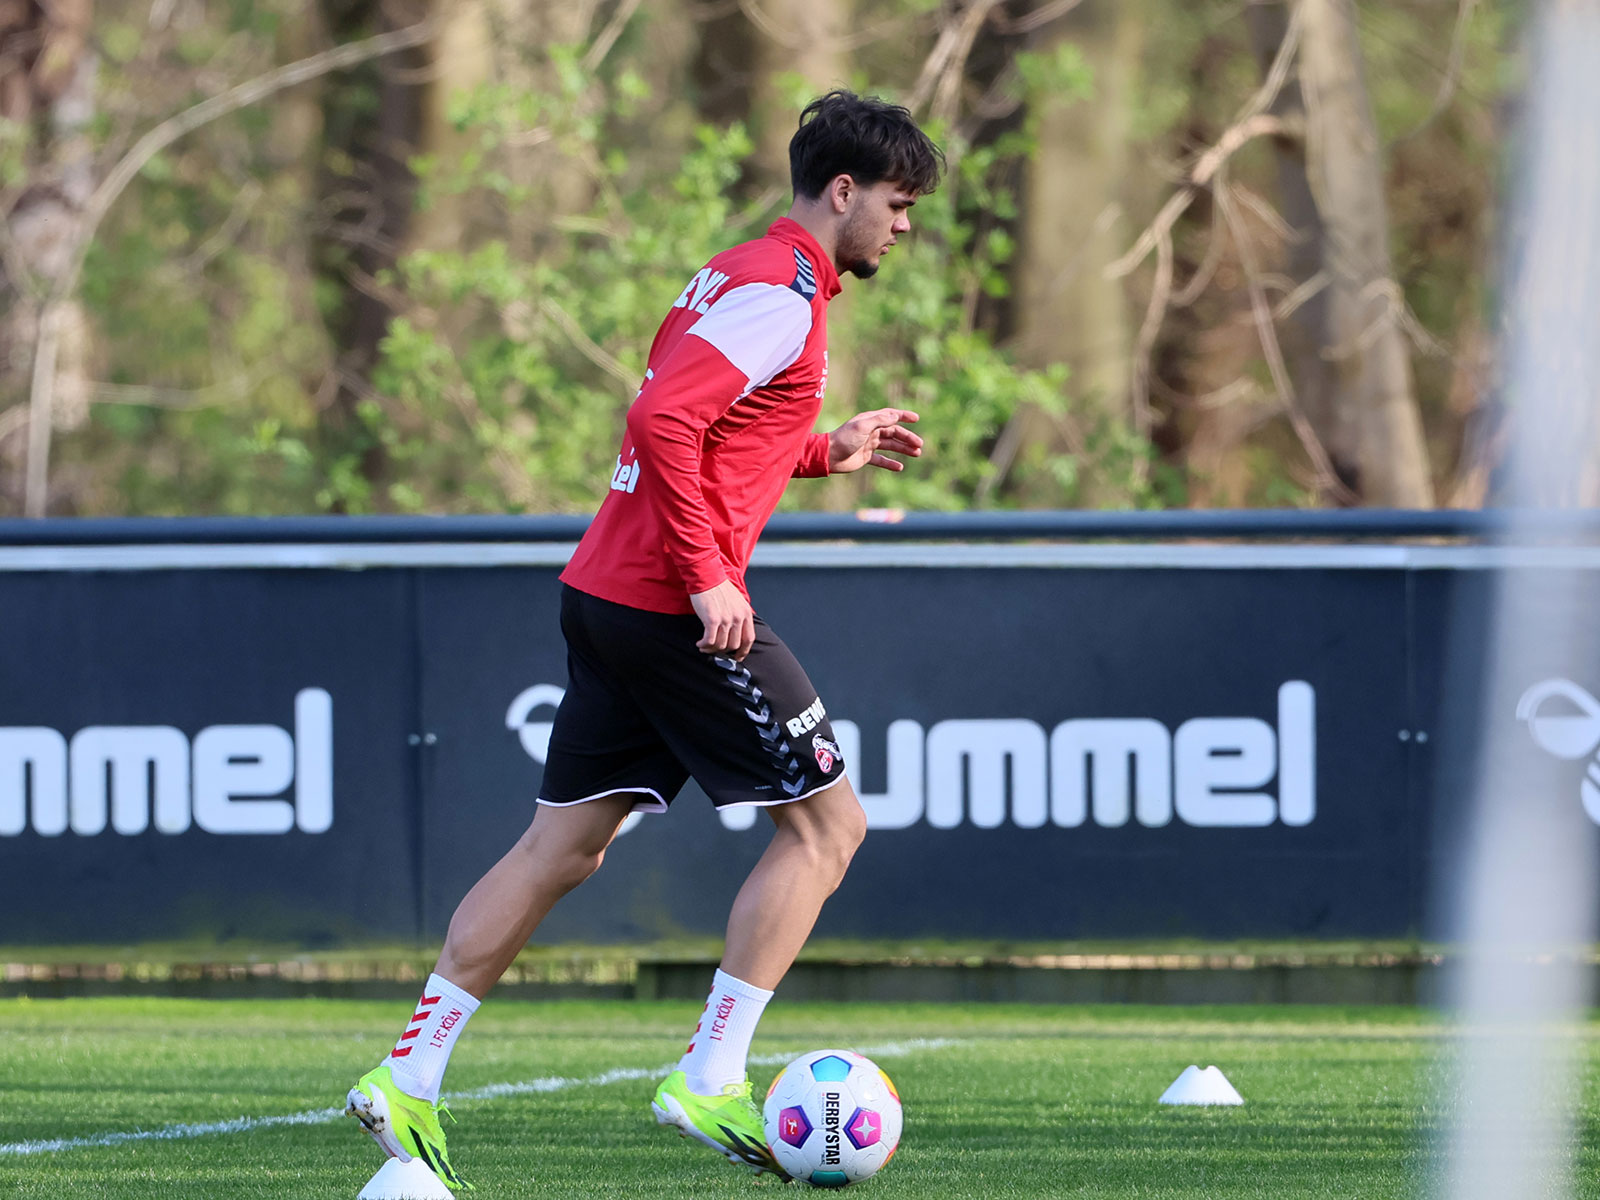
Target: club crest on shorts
<point x="827" y="752"/>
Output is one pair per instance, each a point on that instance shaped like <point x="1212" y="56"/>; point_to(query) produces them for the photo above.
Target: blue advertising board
<point x="329" y="744"/>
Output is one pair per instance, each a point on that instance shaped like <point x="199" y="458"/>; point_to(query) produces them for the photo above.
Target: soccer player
<point x="672" y="674"/>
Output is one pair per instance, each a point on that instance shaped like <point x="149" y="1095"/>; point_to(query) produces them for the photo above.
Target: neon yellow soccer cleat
<point x="404" y="1126"/>
<point x="730" y="1123"/>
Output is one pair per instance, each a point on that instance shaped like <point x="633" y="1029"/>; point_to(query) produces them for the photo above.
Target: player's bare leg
<point x="781" y="898"/>
<point x="398" y="1101"/>
<point x="559" y="850"/>
<point x="708" y="1097"/>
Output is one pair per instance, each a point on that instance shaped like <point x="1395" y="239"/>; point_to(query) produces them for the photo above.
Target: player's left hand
<point x="862" y="440"/>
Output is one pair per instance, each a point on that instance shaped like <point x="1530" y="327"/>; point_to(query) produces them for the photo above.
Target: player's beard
<point x="856" y="248"/>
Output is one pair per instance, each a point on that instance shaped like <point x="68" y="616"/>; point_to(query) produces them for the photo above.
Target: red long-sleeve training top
<point x="733" y="387"/>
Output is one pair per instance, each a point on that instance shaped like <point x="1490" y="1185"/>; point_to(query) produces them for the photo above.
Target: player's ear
<point x="840" y="189"/>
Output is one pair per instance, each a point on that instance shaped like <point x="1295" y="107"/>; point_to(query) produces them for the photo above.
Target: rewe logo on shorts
<point x="1564" y="720"/>
<point x="230" y="779"/>
<point x="809" y="719"/>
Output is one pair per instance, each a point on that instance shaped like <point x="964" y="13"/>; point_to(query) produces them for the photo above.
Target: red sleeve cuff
<point x="703" y="573"/>
<point x="813" y="461"/>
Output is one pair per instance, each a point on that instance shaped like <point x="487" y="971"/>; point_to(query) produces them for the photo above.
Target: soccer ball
<point x="832" y="1118"/>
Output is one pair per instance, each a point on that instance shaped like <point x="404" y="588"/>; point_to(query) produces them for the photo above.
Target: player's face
<point x="877" y="216"/>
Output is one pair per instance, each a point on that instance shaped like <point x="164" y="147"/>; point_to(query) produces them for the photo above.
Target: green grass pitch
<point x="1000" y="1101"/>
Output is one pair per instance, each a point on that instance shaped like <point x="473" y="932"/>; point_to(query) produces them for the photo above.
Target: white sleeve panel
<point x="760" y="328"/>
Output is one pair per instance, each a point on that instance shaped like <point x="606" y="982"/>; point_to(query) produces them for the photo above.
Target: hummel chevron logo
<point x="777" y="748"/>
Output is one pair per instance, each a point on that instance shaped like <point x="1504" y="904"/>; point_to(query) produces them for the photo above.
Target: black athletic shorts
<point x="645" y="710"/>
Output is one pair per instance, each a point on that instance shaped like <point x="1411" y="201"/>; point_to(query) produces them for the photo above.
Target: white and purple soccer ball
<point x="832" y="1118"/>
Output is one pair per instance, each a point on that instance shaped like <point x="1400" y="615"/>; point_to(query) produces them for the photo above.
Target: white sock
<point x="419" y="1058"/>
<point x="716" y="1056"/>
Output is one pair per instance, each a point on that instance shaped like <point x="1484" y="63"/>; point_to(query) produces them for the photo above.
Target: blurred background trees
<point x="1206" y="253"/>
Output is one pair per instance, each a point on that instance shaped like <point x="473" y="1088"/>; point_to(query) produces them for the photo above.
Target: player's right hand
<point x="730" y="622"/>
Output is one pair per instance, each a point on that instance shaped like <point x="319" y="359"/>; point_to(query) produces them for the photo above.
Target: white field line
<point x="321" y="1116"/>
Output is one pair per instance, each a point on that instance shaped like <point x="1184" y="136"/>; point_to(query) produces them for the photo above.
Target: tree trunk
<point x="1374" y="429"/>
<point x="802" y="37"/>
<point x="379" y="193"/>
<point x="794" y="37"/>
<point x="47" y="81"/>
<point x="1067" y="310"/>
<point x="1304" y="332"/>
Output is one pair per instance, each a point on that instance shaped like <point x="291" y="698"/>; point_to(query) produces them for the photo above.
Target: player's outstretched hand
<point x="729" y="621"/>
<point x="862" y="440"/>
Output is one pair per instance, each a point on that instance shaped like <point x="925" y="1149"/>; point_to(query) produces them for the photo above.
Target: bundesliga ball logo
<point x="832" y="1118"/>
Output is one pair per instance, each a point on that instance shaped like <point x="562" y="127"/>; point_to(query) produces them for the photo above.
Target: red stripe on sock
<point x="409" y="1034"/>
<point x="427" y="1000"/>
<point x="419" y="1016"/>
<point x="400" y="1052"/>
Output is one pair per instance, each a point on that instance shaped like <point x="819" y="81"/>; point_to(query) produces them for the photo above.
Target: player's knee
<point x="845" y="820"/>
<point x="831" y="845"/>
<point x="558" y="861"/>
<point x="851" y="829"/>
<point x="572" y="868"/>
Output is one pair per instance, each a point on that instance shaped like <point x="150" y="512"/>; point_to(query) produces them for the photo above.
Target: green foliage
<point x="1056" y="76"/>
<point x="574" y="201"/>
<point x="13" y="152"/>
<point x="921" y="352"/>
<point x="507" y="380"/>
<point x="509" y="377"/>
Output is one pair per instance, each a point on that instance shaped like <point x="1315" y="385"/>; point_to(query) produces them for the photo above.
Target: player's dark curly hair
<point x="864" y="137"/>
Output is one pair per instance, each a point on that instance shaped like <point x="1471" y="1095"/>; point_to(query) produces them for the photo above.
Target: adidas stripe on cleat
<point x="404" y="1126"/>
<point x="729" y="1123"/>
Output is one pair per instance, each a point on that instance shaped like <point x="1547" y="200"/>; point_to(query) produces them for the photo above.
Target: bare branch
<point x="1001" y="100"/>
<point x="1311" y="287"/>
<point x="1160" y="299"/>
<point x="1039" y="17"/>
<point x="13" y="419"/>
<point x="147" y="395"/>
<point x="1205" y="168"/>
<point x="1270" y="217"/>
<point x="241" y="96"/>
<point x="22" y="279"/>
<point x="941" y="73"/>
<point x="766" y="200"/>
<point x="792" y="40"/>
<point x="1004" y="454"/>
<point x="41" y="397"/>
<point x="1233" y="138"/>
<point x="1277" y="73"/>
<point x="1159" y="228"/>
<point x="588" y="347"/>
<point x="1201" y="279"/>
<point x="1253" y="121"/>
<point x="222" y="238"/>
<point x="1395" y="311"/>
<point x="1327" y="479"/>
<point x="1452" y="71"/>
<point x="601" y="45"/>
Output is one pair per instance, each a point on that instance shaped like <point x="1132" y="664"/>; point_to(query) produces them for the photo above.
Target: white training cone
<point x="1195" y="1086"/>
<point x="398" y="1180"/>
